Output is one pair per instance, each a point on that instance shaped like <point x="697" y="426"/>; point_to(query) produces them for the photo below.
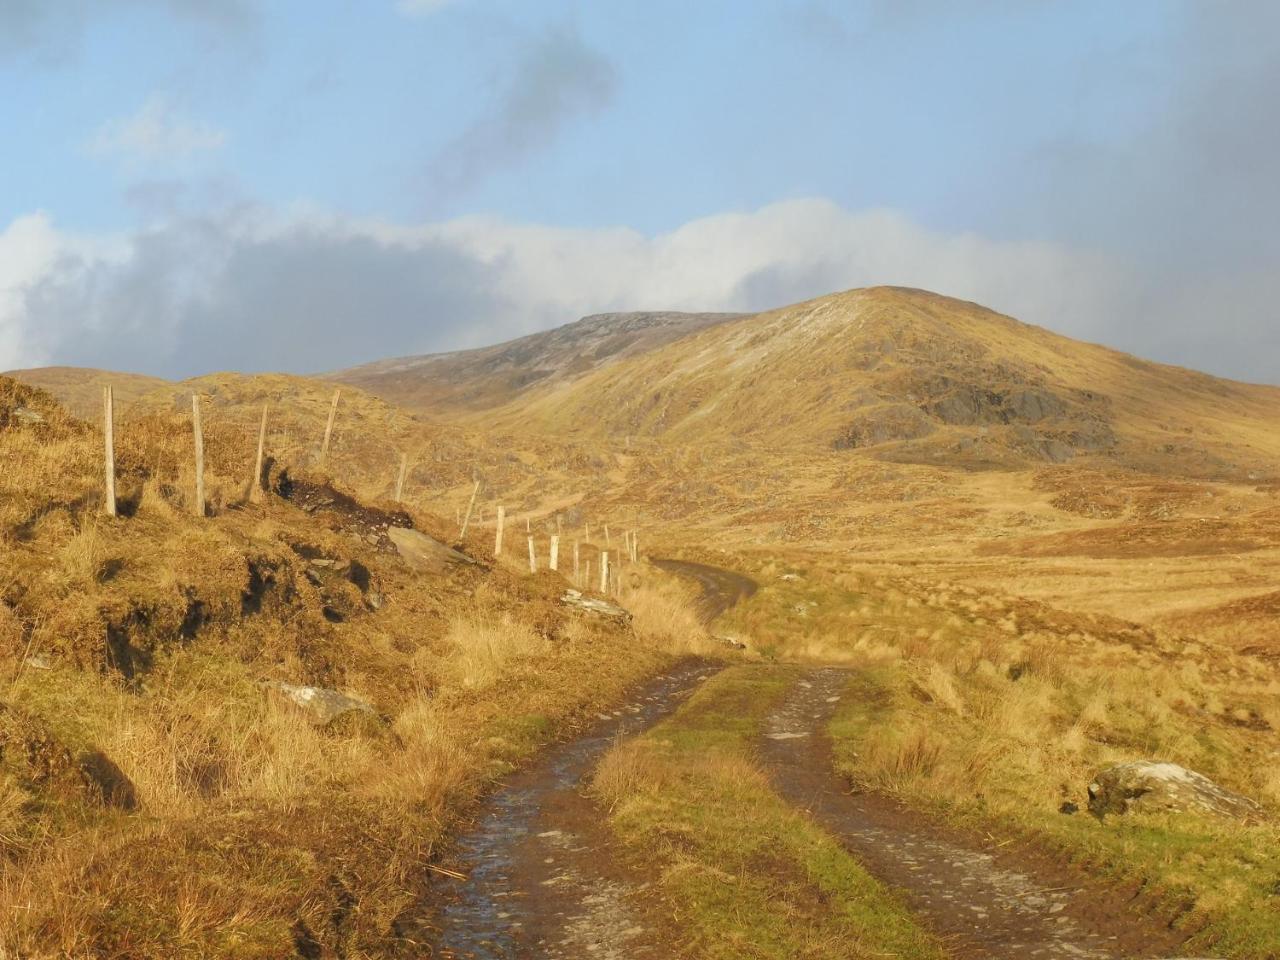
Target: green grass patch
<point x="745" y="874"/>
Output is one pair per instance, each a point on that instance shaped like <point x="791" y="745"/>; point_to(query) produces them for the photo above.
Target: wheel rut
<point x="541" y="878"/>
<point x="1015" y="903"/>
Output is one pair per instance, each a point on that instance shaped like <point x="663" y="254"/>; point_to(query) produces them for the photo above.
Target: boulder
<point x="325" y="705"/>
<point x="423" y="552"/>
<point x="574" y="598"/>
<point x="1149" y="786"/>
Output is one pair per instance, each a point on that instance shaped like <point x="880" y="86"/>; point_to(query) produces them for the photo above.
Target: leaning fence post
<point x="328" y="428"/>
<point x="198" y="432"/>
<point x="604" y="572"/>
<point x="109" y="449"/>
<point x="466" y="521"/>
<point x="497" y="537"/>
<point x="255" y="488"/>
<point x="404" y="468"/>
<point x="533" y="558"/>
<point x="554" y="564"/>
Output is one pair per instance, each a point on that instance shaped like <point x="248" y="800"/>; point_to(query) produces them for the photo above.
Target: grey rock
<point x="1150" y="786"/>
<point x="423" y="552"/>
<point x="574" y="598"/>
<point x="325" y="705"/>
<point x="27" y="415"/>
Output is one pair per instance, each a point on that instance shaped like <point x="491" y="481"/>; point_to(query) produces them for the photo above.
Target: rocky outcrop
<point x="1146" y="786"/>
<point x="323" y="704"/>
<point x="574" y="598"/>
<point x="425" y="553"/>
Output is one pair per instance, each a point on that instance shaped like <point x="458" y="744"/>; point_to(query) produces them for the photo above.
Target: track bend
<point x="541" y="879"/>
<point x="982" y="906"/>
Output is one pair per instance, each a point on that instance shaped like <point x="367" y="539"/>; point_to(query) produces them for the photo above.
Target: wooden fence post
<point x="577" y="563"/>
<point x="198" y="432"/>
<point x="328" y="428"/>
<point x="604" y="572"/>
<point x="255" y="488"/>
<point x="606" y="535"/>
<point x="109" y="451"/>
<point x="555" y="553"/>
<point x="533" y="558"/>
<point x="404" y="468"/>
<point x="497" y="537"/>
<point x="466" y="521"/>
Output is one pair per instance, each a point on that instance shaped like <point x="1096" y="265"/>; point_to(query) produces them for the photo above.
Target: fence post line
<point x="606" y="535"/>
<point x="198" y="434"/>
<point x="466" y="521"/>
<point x="555" y="553"/>
<point x="604" y="572"/>
<point x="404" y="468"/>
<point x="255" y="488"/>
<point x="109" y="449"/>
<point x="497" y="537"/>
<point x="533" y="558"/>
<point x="577" y="563"/>
<point x="328" y="428"/>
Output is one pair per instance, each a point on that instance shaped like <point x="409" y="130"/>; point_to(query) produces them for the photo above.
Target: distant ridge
<point x="486" y="377"/>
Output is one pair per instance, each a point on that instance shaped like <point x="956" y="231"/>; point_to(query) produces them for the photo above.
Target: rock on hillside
<point x="912" y="376"/>
<point x="491" y="376"/>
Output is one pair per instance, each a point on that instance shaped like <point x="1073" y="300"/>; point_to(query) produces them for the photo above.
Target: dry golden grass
<point x="156" y="641"/>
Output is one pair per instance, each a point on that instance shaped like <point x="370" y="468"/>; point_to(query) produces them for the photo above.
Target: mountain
<point x="911" y="376"/>
<point x="492" y="376"/>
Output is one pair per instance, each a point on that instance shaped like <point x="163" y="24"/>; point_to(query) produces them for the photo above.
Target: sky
<point x="303" y="185"/>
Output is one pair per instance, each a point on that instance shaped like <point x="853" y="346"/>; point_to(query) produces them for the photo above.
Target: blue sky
<point x="449" y="172"/>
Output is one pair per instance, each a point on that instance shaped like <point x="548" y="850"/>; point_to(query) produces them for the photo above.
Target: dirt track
<point x="541" y="879"/>
<point x="720" y="589"/>
<point x="1018" y="903"/>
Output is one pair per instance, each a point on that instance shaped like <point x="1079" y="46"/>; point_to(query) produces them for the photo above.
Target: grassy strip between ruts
<point x="744" y="874"/>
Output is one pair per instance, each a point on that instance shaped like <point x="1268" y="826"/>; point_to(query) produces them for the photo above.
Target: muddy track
<point x="720" y="589"/>
<point x="541" y="877"/>
<point x="1018" y="903"/>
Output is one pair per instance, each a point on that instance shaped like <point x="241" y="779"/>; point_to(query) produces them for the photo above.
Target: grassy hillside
<point x="911" y="376"/>
<point x="491" y="376"/>
<point x="161" y="792"/>
<point x="79" y="389"/>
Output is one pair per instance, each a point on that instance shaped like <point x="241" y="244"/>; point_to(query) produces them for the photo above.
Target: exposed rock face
<point x="893" y="421"/>
<point x="1147" y="786"/>
<point x="423" y="552"/>
<point x="324" y="704"/>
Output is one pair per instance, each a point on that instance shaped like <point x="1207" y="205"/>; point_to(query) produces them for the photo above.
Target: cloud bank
<point x="253" y="289"/>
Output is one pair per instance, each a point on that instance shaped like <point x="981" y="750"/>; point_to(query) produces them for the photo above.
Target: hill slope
<point x="491" y="376"/>
<point x="79" y="389"/>
<point x="917" y="377"/>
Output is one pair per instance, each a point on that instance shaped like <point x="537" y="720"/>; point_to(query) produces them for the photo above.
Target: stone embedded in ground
<point x="424" y="553"/>
<point x="1145" y="786"/>
<point x="324" y="704"/>
<point x="574" y="598"/>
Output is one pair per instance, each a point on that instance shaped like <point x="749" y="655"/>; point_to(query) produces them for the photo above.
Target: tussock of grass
<point x="748" y="876"/>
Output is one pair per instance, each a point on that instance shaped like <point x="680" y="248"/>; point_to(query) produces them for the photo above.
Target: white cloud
<point x="307" y="290"/>
<point x="157" y="131"/>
